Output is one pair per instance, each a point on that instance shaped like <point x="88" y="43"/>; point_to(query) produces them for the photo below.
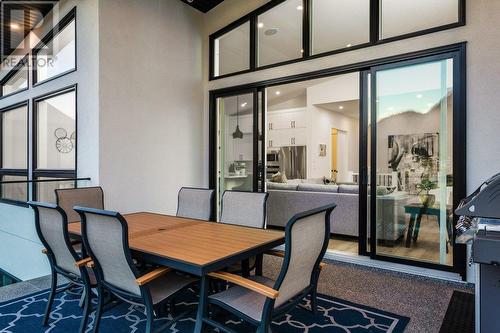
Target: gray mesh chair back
<point x="92" y="197"/>
<point x="195" y="203"/>
<point x="244" y="208"/>
<point x="52" y="229"/>
<point x="307" y="237"/>
<point x="105" y="235"/>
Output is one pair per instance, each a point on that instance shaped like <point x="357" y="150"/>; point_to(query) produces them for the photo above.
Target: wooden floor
<point x="426" y="248"/>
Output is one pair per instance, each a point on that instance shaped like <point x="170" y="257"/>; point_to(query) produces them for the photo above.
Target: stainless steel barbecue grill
<point x="479" y="224"/>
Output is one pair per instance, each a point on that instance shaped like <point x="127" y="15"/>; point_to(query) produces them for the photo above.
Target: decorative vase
<point x="427" y="199"/>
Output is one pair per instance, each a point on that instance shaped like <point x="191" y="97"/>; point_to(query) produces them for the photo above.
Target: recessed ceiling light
<point x="15" y="26"/>
<point x="348" y="45"/>
<point x="341" y="107"/>
<point x="420" y="96"/>
<point x="302" y="51"/>
<point x="244" y="104"/>
<point x="271" y="32"/>
<point x="278" y="92"/>
<point x="300" y="7"/>
<point x="260" y="25"/>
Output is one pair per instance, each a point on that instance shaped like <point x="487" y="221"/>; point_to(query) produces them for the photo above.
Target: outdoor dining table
<point x="194" y="246"/>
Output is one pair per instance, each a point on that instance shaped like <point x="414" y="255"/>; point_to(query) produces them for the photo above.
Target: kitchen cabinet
<point x="287" y="128"/>
<point x="286" y="119"/>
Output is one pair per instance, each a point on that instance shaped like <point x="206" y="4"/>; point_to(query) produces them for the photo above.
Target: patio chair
<point x="105" y="236"/>
<point x="92" y="197"/>
<point x="247" y="209"/>
<point x="259" y="300"/>
<point x="52" y="228"/>
<point x="195" y="203"/>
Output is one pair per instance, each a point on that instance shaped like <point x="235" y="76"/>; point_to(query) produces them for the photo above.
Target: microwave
<point x="272" y="156"/>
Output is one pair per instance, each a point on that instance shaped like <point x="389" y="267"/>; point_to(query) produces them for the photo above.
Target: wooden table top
<point x="192" y="245"/>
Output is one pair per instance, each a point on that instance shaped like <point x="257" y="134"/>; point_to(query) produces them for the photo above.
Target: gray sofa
<point x="286" y="200"/>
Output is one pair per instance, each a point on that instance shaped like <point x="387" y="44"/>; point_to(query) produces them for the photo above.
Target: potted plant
<point x="423" y="191"/>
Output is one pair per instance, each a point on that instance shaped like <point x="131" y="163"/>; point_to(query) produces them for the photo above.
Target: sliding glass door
<point x="239" y="142"/>
<point x="385" y="142"/>
<point x="411" y="188"/>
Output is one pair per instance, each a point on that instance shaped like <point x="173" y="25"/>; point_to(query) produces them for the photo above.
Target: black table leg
<point x="245" y="268"/>
<point x="417" y="228"/>
<point x="203" y="305"/>
<point x="409" y="234"/>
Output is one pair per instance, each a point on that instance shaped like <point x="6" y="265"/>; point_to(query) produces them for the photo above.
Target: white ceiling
<point x="346" y="108"/>
<point x="288" y="92"/>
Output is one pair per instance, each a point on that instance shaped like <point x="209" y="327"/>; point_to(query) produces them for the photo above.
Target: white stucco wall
<point x="151" y="103"/>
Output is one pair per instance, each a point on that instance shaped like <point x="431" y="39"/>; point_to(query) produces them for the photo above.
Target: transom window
<point x="284" y="31"/>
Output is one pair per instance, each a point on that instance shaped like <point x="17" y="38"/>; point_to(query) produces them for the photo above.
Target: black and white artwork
<point x="413" y="156"/>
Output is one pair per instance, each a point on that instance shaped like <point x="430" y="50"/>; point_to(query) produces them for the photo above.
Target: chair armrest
<point x="281" y="254"/>
<point x="45" y="251"/>
<point x="246" y="283"/>
<point x="276" y="253"/>
<point x="83" y="262"/>
<point x="146" y="278"/>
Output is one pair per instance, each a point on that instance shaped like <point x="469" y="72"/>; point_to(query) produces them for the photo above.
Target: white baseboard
<point x="408" y="269"/>
<point x="390" y="266"/>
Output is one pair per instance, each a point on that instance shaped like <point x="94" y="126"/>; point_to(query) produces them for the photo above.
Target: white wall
<point x="20" y="248"/>
<point x="151" y="104"/>
<point x="338" y="89"/>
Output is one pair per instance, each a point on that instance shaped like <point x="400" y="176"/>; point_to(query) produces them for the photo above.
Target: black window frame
<point x="375" y="25"/>
<point x="51" y="173"/>
<point x="13" y="72"/>
<point x="14" y="172"/>
<point x="49" y="37"/>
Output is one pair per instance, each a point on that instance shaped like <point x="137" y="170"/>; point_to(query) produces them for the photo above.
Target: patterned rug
<point x="335" y="315"/>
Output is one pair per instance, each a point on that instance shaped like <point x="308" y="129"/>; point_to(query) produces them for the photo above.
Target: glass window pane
<point x="58" y="56"/>
<point x="17" y="82"/>
<point x="337" y="24"/>
<point x="235" y="142"/>
<point x="415" y="162"/>
<point x="15" y="138"/>
<point x="232" y="51"/>
<point x="17" y="192"/>
<point x="280" y="33"/>
<point x="399" y="17"/>
<point x="45" y="192"/>
<point x="56" y="132"/>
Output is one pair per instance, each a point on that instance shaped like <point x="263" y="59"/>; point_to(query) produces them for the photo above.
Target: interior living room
<point x="249" y="166"/>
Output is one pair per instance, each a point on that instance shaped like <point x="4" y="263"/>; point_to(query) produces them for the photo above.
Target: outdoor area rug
<point x="460" y="314"/>
<point x="335" y="315"/>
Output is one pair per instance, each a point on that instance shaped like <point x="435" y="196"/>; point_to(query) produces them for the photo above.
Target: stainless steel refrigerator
<point x="293" y="162"/>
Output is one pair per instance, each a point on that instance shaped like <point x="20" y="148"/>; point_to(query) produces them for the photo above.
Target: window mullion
<point x="374" y="21"/>
<point x="306" y="28"/>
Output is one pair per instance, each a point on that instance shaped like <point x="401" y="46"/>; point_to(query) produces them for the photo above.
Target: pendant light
<point x="238" y="134"/>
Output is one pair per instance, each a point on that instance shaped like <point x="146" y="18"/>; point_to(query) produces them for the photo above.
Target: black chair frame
<point x="83" y="281"/>
<point x="269" y="312"/>
<point x="145" y="299"/>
